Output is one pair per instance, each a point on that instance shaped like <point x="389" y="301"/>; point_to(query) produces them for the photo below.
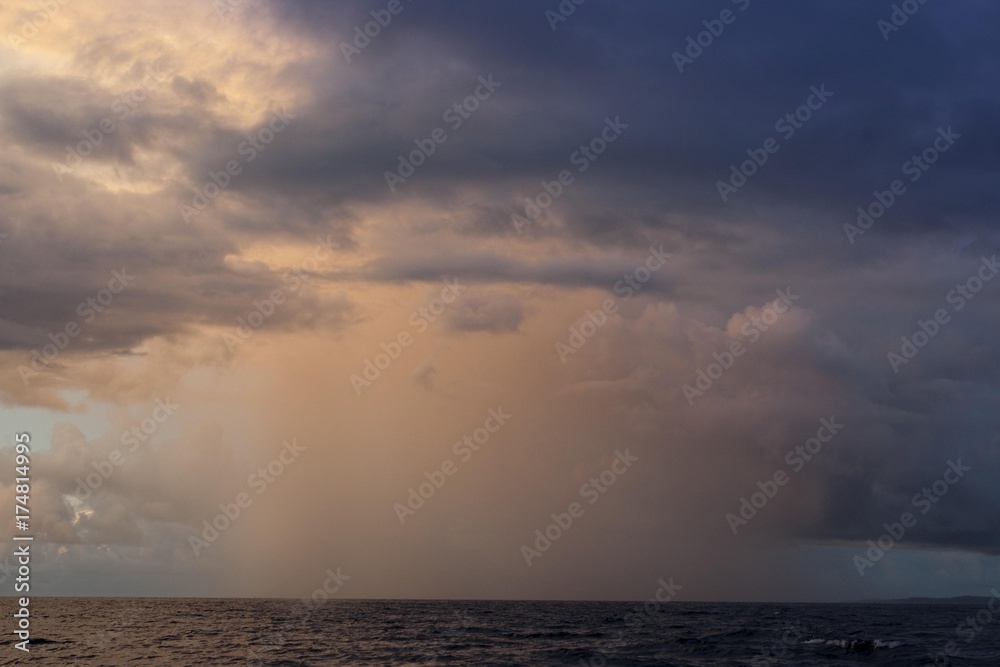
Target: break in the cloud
<point x="196" y="209"/>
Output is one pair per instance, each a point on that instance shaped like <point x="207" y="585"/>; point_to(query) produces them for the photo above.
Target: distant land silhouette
<point x="961" y="600"/>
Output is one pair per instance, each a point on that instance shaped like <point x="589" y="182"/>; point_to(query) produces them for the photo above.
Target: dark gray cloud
<point x="495" y="312"/>
<point x="685" y="129"/>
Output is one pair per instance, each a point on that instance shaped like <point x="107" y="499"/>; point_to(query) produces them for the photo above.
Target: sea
<point x="181" y="632"/>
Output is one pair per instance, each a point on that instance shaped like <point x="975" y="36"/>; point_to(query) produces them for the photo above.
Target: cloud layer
<point x="235" y="163"/>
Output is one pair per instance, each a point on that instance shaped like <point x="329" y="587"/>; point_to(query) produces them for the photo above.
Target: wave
<point x="856" y="645"/>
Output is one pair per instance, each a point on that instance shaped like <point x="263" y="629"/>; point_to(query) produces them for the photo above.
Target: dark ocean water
<point x="107" y="631"/>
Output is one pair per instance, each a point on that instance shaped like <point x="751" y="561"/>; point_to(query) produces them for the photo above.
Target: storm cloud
<point x="823" y="187"/>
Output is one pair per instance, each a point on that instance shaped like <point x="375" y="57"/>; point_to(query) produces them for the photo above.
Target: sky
<point x="527" y="300"/>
